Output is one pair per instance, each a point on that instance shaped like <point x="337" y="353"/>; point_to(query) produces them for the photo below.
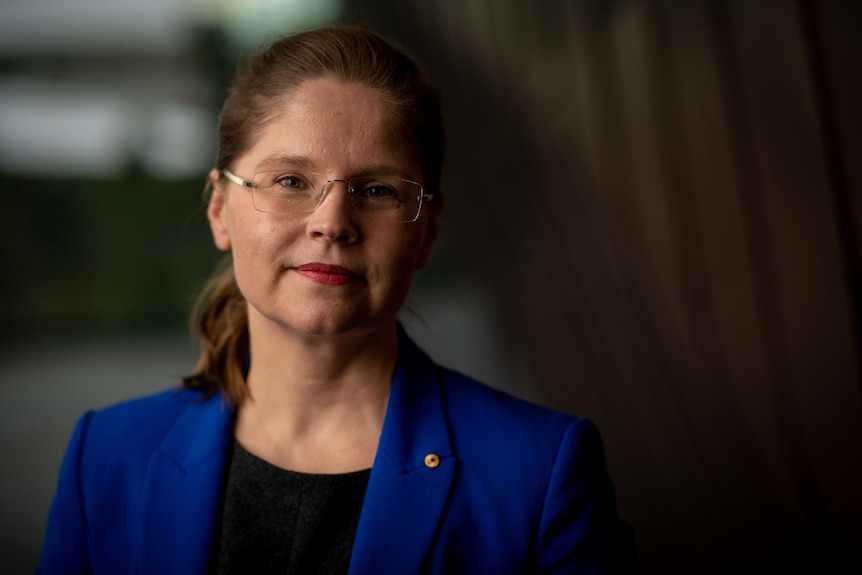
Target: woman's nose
<point x="334" y="218"/>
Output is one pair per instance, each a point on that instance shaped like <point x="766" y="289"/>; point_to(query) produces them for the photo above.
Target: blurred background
<point x="654" y="219"/>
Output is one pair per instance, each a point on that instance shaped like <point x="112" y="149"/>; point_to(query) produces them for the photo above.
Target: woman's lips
<point x="328" y="274"/>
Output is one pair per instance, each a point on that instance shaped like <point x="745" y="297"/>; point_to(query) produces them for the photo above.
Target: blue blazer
<point x="518" y="488"/>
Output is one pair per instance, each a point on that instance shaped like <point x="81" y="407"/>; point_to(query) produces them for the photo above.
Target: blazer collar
<point x="183" y="489"/>
<point x="406" y="497"/>
<point x="403" y="504"/>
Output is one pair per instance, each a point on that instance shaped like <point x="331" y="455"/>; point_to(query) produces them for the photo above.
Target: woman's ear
<point x="217" y="211"/>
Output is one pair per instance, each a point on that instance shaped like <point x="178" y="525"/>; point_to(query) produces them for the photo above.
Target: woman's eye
<point x="378" y="191"/>
<point x="291" y="182"/>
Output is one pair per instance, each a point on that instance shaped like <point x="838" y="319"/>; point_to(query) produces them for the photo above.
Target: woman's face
<point x="335" y="270"/>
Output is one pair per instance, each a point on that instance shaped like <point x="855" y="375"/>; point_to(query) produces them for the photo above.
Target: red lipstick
<point x="328" y="274"/>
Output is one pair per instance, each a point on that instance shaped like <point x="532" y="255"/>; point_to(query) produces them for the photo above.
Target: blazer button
<point x="431" y="460"/>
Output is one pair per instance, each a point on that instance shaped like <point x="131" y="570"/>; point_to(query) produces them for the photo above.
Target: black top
<point x="280" y="521"/>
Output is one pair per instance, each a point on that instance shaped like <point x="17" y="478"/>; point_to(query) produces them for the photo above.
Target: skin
<point x="323" y="355"/>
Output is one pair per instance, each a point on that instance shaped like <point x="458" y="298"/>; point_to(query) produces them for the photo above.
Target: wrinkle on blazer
<point x="518" y="488"/>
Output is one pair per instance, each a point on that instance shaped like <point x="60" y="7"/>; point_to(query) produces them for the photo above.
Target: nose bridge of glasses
<point x="328" y="185"/>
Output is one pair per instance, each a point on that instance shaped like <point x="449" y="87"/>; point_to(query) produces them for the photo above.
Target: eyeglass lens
<point x="390" y="198"/>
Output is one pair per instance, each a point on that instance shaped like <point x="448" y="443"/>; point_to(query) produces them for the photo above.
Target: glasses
<point x="280" y="192"/>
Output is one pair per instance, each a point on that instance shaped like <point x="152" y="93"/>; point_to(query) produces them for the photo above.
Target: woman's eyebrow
<point x="279" y="160"/>
<point x="381" y="171"/>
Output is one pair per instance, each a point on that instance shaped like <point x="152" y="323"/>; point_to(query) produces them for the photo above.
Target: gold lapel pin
<point x="431" y="460"/>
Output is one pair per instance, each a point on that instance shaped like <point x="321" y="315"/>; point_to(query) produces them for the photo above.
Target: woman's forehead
<point x="329" y="124"/>
<point x="320" y="101"/>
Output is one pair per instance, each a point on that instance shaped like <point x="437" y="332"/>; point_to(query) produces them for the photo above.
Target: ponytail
<point x="220" y="322"/>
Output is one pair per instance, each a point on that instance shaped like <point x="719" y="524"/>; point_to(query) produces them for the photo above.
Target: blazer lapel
<point x="406" y="496"/>
<point x="183" y="491"/>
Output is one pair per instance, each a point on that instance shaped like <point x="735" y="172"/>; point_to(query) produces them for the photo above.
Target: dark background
<point x="653" y="220"/>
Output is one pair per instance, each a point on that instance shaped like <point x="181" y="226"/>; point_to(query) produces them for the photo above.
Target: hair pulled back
<point x="348" y="54"/>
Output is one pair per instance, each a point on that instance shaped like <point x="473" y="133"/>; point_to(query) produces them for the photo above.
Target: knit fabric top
<point x="280" y="521"/>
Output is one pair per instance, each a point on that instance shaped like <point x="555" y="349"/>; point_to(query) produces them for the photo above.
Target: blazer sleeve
<point x="580" y="531"/>
<point x="65" y="547"/>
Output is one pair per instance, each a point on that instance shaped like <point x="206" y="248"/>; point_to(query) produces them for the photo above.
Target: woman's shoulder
<point x="470" y="394"/>
<point x="462" y="394"/>
<point x="488" y="415"/>
<point x="173" y="398"/>
<point x="142" y="421"/>
<point x="163" y="405"/>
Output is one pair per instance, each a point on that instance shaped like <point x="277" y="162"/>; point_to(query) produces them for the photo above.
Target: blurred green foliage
<point x="101" y="256"/>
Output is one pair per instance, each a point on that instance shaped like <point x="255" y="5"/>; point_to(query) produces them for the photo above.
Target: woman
<point x="315" y="437"/>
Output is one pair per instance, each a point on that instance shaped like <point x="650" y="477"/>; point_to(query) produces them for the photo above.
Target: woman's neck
<point x="317" y="403"/>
